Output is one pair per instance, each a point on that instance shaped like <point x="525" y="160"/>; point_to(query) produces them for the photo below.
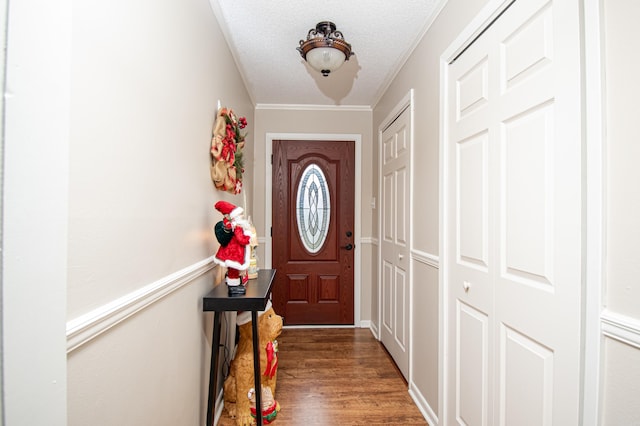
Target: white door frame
<point x="595" y="147"/>
<point x="594" y="144"/>
<point x="404" y="103"/>
<point x="268" y="220"/>
<point x="37" y="125"/>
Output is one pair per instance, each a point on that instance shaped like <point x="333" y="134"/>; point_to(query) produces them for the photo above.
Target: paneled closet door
<point x="513" y="185"/>
<point x="395" y="252"/>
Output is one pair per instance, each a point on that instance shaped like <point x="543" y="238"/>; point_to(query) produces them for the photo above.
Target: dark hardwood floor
<point x="338" y="376"/>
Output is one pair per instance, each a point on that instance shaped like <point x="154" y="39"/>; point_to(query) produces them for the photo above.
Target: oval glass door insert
<point x="313" y="208"/>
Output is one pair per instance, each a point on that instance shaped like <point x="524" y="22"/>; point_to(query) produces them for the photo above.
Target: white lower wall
<point x="423" y="383"/>
<point x="621" y="373"/>
<point x="152" y="368"/>
<point x="620" y="385"/>
<point x="372" y="263"/>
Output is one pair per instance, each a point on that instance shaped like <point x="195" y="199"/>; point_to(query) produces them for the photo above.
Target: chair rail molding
<point x="369" y="240"/>
<point x="425" y="258"/>
<point x="86" y="327"/>
<point x="621" y="327"/>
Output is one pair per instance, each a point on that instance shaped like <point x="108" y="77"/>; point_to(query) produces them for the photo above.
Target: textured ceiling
<point x="263" y="36"/>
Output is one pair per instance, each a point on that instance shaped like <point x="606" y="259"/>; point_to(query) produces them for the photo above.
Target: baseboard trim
<point x="621" y="327"/>
<point x="362" y="324"/>
<point x="374" y="330"/>
<point x="317" y="326"/>
<point x="86" y="327"/>
<point x="424" y="407"/>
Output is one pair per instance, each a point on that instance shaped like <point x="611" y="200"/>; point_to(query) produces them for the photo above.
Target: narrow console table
<point x="218" y="301"/>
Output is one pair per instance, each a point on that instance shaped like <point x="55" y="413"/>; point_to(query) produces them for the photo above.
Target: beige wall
<point x="422" y="73"/>
<point x="622" y="110"/>
<point x="142" y="107"/>
<point x="146" y="80"/>
<point x="621" y="360"/>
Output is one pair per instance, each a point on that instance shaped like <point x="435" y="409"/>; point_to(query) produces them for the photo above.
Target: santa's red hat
<point x="226" y="207"/>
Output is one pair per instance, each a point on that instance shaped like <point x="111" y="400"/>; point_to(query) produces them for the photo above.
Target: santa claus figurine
<point x="233" y="233"/>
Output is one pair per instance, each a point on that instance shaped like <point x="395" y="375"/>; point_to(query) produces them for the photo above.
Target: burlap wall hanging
<point x="226" y="151"/>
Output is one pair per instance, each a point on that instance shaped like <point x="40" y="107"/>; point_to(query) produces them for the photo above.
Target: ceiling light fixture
<point x="325" y="48"/>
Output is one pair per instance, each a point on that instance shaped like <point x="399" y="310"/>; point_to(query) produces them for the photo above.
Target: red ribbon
<point x="272" y="359"/>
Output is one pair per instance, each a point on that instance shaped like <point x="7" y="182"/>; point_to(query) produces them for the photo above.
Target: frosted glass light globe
<point x="325" y="59"/>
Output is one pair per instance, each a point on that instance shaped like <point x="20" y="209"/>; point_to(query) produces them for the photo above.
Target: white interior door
<point x="513" y="220"/>
<point x="395" y="291"/>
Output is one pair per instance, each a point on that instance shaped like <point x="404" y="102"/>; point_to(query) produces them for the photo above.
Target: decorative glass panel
<point x="313" y="208"/>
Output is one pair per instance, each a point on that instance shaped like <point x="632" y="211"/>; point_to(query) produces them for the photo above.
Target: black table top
<point x="255" y="299"/>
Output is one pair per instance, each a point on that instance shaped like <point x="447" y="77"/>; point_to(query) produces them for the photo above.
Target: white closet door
<point x="514" y="215"/>
<point x="395" y="253"/>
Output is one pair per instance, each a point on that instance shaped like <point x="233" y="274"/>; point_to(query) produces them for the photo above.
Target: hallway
<point x="108" y="218"/>
<point x="337" y="376"/>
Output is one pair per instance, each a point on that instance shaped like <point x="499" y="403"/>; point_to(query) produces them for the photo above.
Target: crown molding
<point x="309" y="107"/>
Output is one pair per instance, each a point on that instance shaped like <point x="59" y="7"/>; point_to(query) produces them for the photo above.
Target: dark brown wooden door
<point x="313" y="231"/>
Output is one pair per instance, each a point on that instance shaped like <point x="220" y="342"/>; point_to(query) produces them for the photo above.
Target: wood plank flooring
<point x="338" y="376"/>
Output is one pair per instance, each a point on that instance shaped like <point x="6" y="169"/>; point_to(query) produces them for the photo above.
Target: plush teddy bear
<point x="239" y="385"/>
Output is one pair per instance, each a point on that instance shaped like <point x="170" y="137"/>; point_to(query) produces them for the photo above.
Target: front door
<point x="313" y="231"/>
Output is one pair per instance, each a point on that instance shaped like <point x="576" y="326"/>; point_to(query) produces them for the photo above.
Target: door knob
<point x="466" y="285"/>
<point x="348" y="247"/>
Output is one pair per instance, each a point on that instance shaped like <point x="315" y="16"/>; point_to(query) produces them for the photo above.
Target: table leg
<point x="213" y="373"/>
<point x="256" y="367"/>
